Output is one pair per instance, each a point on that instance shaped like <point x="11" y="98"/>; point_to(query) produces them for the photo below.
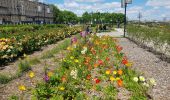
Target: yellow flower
<point x="129" y="64"/>
<point x="76" y="60"/>
<point x="112" y="78"/>
<point x="108" y="72"/>
<point x="61" y="88"/>
<point x="114" y="72"/>
<point x="117" y="78"/>
<point x="50" y="74"/>
<point x="31" y="74"/>
<point x="71" y="57"/>
<point x="25" y="55"/>
<point x="69" y="48"/>
<point x="22" y="88"/>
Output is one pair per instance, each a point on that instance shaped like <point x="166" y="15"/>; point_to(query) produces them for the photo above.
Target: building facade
<point x="25" y="11"/>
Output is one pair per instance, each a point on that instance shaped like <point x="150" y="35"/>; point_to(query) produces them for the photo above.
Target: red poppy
<point x="97" y="81"/>
<point x="124" y="61"/>
<point x="100" y="62"/>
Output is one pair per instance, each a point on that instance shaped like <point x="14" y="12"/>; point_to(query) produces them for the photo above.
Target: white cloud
<point x="158" y="3"/>
<point x="135" y="10"/>
<point x="92" y="1"/>
<point x="80" y="6"/>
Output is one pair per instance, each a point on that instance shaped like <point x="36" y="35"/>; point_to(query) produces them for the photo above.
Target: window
<point x="48" y="10"/>
<point x="39" y="9"/>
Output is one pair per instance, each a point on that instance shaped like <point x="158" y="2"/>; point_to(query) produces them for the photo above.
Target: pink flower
<point x="74" y="40"/>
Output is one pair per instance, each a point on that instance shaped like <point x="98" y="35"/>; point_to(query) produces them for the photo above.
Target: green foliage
<point x="34" y="61"/>
<point x="138" y="90"/>
<point x="24" y="66"/>
<point x="99" y="18"/>
<point x="64" y="16"/>
<point x="14" y="97"/>
<point x="4" y="79"/>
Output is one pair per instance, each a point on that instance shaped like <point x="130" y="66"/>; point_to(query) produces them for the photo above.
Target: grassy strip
<point x="156" y="34"/>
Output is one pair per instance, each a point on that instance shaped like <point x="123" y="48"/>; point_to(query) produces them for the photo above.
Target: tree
<point x="56" y="13"/>
<point x="63" y="16"/>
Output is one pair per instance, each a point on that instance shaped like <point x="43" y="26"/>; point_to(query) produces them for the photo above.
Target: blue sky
<point x="150" y="9"/>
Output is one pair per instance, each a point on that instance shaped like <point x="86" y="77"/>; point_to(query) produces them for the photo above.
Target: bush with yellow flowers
<point x="18" y="44"/>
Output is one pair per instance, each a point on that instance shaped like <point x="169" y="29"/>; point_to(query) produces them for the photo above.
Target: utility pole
<point x="139" y="16"/>
<point x="125" y="20"/>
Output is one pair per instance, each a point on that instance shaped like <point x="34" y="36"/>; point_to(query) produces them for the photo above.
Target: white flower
<point x="9" y="50"/>
<point x="146" y="84"/>
<point x="84" y="50"/>
<point x="74" y="45"/>
<point x="152" y="81"/>
<point x="135" y="79"/>
<point x="74" y="74"/>
<point x="141" y="78"/>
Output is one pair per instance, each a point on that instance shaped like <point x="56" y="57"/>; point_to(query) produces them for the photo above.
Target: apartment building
<point x="25" y="11"/>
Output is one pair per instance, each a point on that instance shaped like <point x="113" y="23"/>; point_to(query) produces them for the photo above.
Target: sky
<point x="149" y="9"/>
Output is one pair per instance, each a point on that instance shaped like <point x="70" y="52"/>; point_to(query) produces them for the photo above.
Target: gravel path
<point x="147" y="63"/>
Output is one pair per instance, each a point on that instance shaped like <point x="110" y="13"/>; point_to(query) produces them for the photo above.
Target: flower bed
<point x="19" y="44"/>
<point x="11" y="29"/>
<point x="95" y="68"/>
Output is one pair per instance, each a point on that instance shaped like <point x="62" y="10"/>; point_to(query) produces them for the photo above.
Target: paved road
<point x="148" y="64"/>
<point x="117" y="33"/>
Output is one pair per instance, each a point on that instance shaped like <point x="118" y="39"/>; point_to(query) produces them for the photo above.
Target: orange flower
<point x="97" y="42"/>
<point x="88" y="77"/>
<point x="119" y="48"/>
<point x="93" y="51"/>
<point x="120" y="83"/>
<point x="105" y="46"/>
<point x="86" y="63"/>
<point x="96" y="65"/>
<point x="89" y="67"/>
<point x="63" y="79"/>
<point x="107" y="58"/>
<point x="100" y="51"/>
<point x="120" y="72"/>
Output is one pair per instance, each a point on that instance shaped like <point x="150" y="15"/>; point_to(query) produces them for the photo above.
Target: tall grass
<point x="157" y="34"/>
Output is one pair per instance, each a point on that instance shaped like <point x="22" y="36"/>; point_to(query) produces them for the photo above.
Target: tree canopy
<point x="93" y="18"/>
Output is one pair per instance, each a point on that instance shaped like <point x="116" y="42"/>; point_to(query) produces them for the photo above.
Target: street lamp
<point x="124" y="4"/>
